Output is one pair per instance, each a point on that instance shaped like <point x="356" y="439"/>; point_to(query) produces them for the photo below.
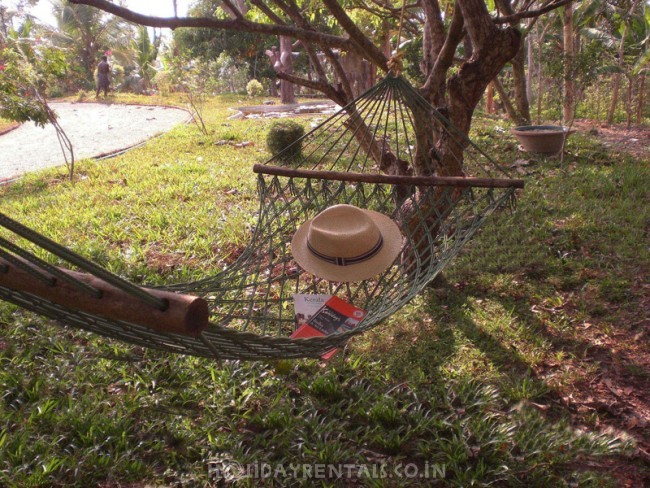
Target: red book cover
<point x="335" y="316"/>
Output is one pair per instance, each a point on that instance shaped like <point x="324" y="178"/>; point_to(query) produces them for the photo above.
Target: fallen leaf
<point x="612" y="388"/>
<point x="520" y="162"/>
<point x="540" y="406"/>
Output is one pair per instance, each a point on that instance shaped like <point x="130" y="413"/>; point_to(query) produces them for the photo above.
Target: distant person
<point x="103" y="81"/>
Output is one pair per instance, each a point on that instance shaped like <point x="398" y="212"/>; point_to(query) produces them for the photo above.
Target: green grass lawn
<point x="6" y="124"/>
<point x="484" y="378"/>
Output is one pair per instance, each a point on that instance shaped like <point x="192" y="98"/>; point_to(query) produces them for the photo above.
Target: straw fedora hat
<point x="346" y="243"/>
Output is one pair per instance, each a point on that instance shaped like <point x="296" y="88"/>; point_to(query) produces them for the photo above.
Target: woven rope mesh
<point x="251" y="302"/>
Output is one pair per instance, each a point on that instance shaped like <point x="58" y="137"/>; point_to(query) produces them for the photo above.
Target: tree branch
<point x="433" y="36"/>
<point x="325" y="88"/>
<point x="436" y="79"/>
<point x="214" y="23"/>
<point x="294" y="14"/>
<point x="267" y="11"/>
<point x="479" y="24"/>
<point x="340" y="72"/>
<point x="527" y="14"/>
<point x="385" y="11"/>
<point x="232" y="9"/>
<point x="368" y="49"/>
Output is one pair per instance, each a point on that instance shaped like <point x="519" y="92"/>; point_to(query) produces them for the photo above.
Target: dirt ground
<point x="607" y="390"/>
<point x="635" y="141"/>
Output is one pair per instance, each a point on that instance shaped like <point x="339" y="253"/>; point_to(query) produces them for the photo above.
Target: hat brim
<point x="355" y="272"/>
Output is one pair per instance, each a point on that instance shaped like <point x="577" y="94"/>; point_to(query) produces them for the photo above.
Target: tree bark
<point x="621" y="55"/>
<point x="433" y="36"/>
<point x="568" y="85"/>
<point x="641" y="100"/>
<point x="520" y="85"/>
<point x="531" y="63"/>
<point x="287" y="94"/>
<point x="540" y="79"/>
<point x="489" y="99"/>
<point x="518" y="63"/>
<point x="512" y="112"/>
<point x="493" y="48"/>
<point x="628" y="103"/>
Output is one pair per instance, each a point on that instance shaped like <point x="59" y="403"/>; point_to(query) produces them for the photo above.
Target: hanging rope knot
<point x="396" y="63"/>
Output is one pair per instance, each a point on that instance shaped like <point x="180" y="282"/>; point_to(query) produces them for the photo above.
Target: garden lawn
<point x="6" y="125"/>
<point x="525" y="364"/>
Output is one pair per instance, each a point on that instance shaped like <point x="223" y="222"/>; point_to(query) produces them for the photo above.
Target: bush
<point x="254" y="88"/>
<point x="163" y="82"/>
<point x="117" y="75"/>
<point x="282" y="134"/>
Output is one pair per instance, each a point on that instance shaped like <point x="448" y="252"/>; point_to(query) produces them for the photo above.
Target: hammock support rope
<point x="246" y="311"/>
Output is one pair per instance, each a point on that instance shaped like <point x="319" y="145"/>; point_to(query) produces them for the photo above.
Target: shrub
<point x="163" y="82"/>
<point x="254" y="88"/>
<point x="282" y="134"/>
<point x="117" y="75"/>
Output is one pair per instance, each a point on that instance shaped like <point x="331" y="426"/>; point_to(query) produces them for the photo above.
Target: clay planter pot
<point x="546" y="139"/>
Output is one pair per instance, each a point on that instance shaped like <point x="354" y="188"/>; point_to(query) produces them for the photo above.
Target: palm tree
<point x="87" y="33"/>
<point x="146" y="53"/>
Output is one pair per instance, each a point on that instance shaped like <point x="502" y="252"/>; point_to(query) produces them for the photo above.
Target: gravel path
<point x="94" y="128"/>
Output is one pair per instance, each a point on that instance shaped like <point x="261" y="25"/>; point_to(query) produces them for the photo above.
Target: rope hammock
<point x="246" y="310"/>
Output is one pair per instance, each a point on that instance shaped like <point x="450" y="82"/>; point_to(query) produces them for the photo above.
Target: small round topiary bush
<point x="282" y="134"/>
<point x="254" y="88"/>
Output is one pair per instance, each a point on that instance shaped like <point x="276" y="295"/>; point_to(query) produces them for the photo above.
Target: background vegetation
<point x="607" y="67"/>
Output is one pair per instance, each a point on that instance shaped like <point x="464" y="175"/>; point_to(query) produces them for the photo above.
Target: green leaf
<point x="599" y="35"/>
<point x="641" y="63"/>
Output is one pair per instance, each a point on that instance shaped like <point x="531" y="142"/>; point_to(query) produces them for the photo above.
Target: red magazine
<point x="335" y="316"/>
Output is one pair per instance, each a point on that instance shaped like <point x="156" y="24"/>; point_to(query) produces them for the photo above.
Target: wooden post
<point x="185" y="314"/>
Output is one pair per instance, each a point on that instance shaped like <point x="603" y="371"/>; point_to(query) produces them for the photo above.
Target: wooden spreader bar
<point x="185" y="314"/>
<point x="456" y="181"/>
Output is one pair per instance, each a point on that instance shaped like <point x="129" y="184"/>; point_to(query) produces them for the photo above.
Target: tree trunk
<point x="492" y="49"/>
<point x="518" y="63"/>
<point x="628" y="103"/>
<point x="287" y="95"/>
<point x="531" y="63"/>
<point x="568" y="85"/>
<point x="489" y="99"/>
<point x="512" y="112"/>
<point x="540" y="86"/>
<point x="616" y="83"/>
<point x="520" y="86"/>
<point x="640" y="102"/>
<point x="621" y="54"/>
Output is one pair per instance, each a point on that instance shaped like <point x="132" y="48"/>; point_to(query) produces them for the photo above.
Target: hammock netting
<point x="342" y="160"/>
